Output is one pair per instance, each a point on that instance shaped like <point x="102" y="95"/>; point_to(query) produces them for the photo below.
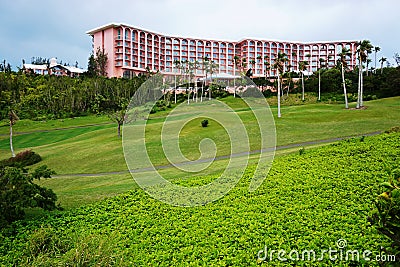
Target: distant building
<point x="131" y="50"/>
<point x="53" y="68"/>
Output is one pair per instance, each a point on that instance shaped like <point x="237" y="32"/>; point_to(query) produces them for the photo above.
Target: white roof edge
<point x="115" y="24"/>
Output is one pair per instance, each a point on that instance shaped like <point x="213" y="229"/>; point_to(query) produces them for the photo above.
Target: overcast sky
<point x="50" y="28"/>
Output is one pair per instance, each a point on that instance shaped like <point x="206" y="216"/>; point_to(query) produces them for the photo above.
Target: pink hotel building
<point x="131" y="50"/>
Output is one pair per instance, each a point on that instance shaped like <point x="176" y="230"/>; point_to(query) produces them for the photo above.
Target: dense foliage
<point x="18" y="190"/>
<point x="48" y="97"/>
<point x="376" y="85"/>
<point x="307" y="202"/>
<point x="386" y="215"/>
<point x="22" y="159"/>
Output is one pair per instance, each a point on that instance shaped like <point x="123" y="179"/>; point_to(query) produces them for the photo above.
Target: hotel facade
<point x="132" y="50"/>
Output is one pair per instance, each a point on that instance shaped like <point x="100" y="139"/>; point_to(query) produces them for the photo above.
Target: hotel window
<point x="251" y="48"/>
<point x="119" y="33"/>
<point x="215" y="55"/>
<point x="192" y="54"/>
<point x="230" y="45"/>
<point x="215" y="50"/>
<point x="168" y="58"/>
<point x="222" y="56"/>
<point x="222" y="62"/>
<point x="199" y="49"/>
<point x="176" y="47"/>
<point x="184" y="42"/>
<point x="126" y="34"/>
<point x="258" y="49"/>
<point x="251" y="42"/>
<point x="192" y="43"/>
<point x="168" y="52"/>
<point x="222" y="45"/>
<point x="168" y="47"/>
<point x="176" y="53"/>
<point x="230" y="51"/>
<point x="184" y="53"/>
<point x="208" y="49"/>
<point x="215" y="44"/>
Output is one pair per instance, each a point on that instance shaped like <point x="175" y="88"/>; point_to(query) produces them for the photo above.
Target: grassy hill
<point x="89" y="145"/>
<point x="307" y="202"/>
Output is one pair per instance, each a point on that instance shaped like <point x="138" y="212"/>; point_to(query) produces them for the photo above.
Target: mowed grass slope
<point x="97" y="149"/>
<point x="307" y="202"/>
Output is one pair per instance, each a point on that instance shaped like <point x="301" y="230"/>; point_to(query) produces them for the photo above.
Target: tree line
<point x="51" y="97"/>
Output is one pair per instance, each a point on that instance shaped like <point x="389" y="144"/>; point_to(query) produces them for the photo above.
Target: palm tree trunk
<point x="361" y="90"/>
<point x="302" y="86"/>
<point x="279" y="97"/>
<point x="344" y="89"/>
<point x="175" y="88"/>
<point x="359" y="84"/>
<point x="11" y="142"/>
<point x="319" y="85"/>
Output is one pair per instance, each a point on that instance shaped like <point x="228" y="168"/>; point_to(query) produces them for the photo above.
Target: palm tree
<point x="205" y="64"/>
<point x="382" y="60"/>
<point x="279" y="66"/>
<point x="376" y="50"/>
<point x="343" y="65"/>
<point x="363" y="50"/>
<point x="212" y="68"/>
<point x="235" y="63"/>
<point x="13" y="119"/>
<point x="195" y="66"/>
<point x="302" y="67"/>
<point x="321" y="65"/>
<point x="177" y="65"/>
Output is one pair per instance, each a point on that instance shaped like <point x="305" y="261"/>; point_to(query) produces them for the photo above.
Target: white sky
<point x="51" y="28"/>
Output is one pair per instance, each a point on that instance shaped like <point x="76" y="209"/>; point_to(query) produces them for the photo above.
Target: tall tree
<point x="364" y="48"/>
<point x="212" y="68"/>
<point x="302" y="68"/>
<point x="376" y="50"/>
<point x="177" y="65"/>
<point x="279" y="66"/>
<point x="13" y="119"/>
<point x="205" y="64"/>
<point x="343" y="65"/>
<point x="236" y="61"/>
<point x="382" y="60"/>
<point x="321" y="65"/>
<point x="101" y="60"/>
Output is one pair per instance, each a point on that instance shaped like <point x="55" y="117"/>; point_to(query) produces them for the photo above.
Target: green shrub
<point x="22" y="159"/>
<point x="394" y="129"/>
<point x="204" y="123"/>
<point x="18" y="191"/>
<point x="386" y="215"/>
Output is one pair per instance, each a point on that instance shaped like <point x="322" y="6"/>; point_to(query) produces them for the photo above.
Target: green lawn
<point x="97" y="149"/>
<point x="308" y="202"/>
